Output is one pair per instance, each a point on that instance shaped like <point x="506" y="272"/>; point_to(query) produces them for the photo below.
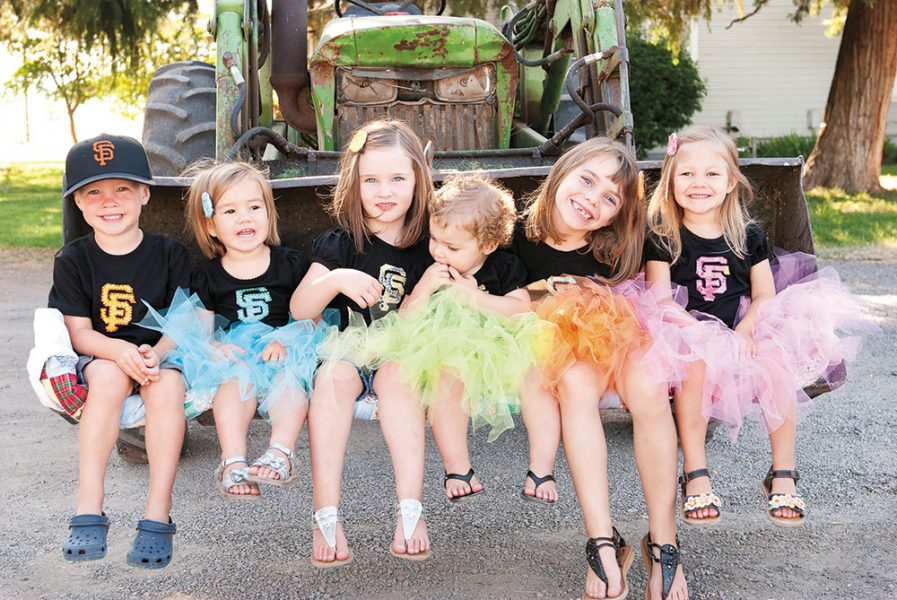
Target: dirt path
<point x="497" y="547"/>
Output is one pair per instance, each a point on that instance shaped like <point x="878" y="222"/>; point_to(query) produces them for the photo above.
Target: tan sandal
<point x="325" y="519"/>
<point x="776" y="501"/>
<point x="696" y="502"/>
<point x="411" y="511"/>
<point x="624" y="553"/>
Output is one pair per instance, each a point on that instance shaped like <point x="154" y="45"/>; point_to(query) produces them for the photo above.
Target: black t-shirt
<point x="397" y="269"/>
<point x="265" y="298"/>
<point x="541" y="261"/>
<point x="110" y="289"/>
<point x="501" y="273"/>
<point x="716" y="279"/>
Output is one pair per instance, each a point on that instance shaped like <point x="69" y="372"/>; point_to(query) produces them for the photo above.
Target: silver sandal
<point x="233" y="478"/>
<point x="325" y="519"/>
<point x="285" y="468"/>
<point x="411" y="511"/>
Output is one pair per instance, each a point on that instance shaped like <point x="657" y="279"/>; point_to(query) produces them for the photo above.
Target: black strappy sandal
<point x="624" y="554"/>
<point x="777" y="501"/>
<point x="668" y="559"/>
<point x="696" y="502"/>
<point x="538" y="481"/>
<point x="466" y="478"/>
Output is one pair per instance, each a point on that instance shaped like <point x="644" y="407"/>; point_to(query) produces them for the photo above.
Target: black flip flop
<point x="538" y="481"/>
<point x="466" y="478"/>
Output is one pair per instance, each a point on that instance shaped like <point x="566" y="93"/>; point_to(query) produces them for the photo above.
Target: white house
<point x="767" y="76"/>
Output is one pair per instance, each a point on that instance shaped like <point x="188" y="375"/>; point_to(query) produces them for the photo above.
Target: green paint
<point x="229" y="39"/>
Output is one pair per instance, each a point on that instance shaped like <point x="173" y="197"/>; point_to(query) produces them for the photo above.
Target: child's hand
<point x="360" y="287"/>
<point x="436" y="276"/>
<point x="151" y="362"/>
<point x="274" y="351"/>
<point x="746" y="331"/>
<point x="231" y="351"/>
<point x="467" y="281"/>
<point x="132" y="363"/>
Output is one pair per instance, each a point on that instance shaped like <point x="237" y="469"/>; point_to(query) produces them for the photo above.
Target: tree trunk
<point x="849" y="148"/>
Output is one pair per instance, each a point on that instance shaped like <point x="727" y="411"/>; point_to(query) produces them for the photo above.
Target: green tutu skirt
<point x="490" y="354"/>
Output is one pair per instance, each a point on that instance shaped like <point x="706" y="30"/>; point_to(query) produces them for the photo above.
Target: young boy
<point x="99" y="283"/>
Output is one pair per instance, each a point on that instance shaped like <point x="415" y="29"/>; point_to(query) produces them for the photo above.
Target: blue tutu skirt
<point x="235" y="353"/>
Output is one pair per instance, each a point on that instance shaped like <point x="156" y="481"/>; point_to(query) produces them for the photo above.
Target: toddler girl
<point x="258" y="358"/>
<point x="456" y="342"/>
<point x="744" y="350"/>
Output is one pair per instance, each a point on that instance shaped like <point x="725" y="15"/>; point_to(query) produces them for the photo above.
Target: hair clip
<point x="207" y="207"/>
<point x="356" y="144"/>
<point x="672" y="144"/>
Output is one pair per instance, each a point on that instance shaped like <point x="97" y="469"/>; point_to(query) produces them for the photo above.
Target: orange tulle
<point x="594" y="325"/>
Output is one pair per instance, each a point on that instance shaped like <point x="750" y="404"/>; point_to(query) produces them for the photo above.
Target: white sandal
<point x="285" y="468"/>
<point x="325" y="519"/>
<point x="411" y="511"/>
<point x="233" y="478"/>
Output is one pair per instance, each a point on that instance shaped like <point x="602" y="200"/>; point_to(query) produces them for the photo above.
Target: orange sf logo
<point x="103" y="151"/>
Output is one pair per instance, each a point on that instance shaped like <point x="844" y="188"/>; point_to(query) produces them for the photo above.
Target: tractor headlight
<point x="470" y="86"/>
<point x="367" y="90"/>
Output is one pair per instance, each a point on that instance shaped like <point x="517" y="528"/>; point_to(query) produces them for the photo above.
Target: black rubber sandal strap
<point x="783" y="474"/>
<point x="466" y="478"/>
<point x="540" y="480"/>
<point x="686" y="477"/>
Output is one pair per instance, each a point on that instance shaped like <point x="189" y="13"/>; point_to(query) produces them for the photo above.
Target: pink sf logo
<point x="712" y="270"/>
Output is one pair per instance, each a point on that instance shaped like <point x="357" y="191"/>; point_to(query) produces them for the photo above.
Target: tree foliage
<point x="118" y="27"/>
<point x="664" y="93"/>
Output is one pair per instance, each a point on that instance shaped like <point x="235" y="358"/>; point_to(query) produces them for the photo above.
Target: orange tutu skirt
<point x="594" y="325"/>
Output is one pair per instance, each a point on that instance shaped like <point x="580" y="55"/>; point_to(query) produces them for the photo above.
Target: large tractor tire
<point x="179" y="120"/>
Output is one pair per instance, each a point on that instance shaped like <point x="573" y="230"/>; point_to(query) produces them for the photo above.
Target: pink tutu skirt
<point x="803" y="335"/>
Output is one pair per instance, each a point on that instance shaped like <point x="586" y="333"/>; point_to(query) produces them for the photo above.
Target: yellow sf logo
<point x="118" y="300"/>
<point x="103" y="151"/>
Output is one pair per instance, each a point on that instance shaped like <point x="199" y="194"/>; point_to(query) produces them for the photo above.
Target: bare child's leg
<point x="98" y="430"/>
<point x="692" y="427"/>
<point x="542" y="418"/>
<point x="165" y="424"/>
<point x="329" y="424"/>
<point x="654" y="441"/>
<point x="449" y="424"/>
<point x="403" y="423"/>
<point x="232" y="418"/>
<point x="584" y="444"/>
<point x="783" y="441"/>
<point x="287" y="415"/>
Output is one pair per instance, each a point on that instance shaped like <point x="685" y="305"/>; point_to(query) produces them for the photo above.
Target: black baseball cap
<point x="105" y="157"/>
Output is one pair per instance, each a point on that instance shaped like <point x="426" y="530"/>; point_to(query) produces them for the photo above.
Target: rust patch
<point x="433" y="40"/>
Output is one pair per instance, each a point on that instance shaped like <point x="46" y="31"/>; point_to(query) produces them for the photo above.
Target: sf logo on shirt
<point x="118" y="302"/>
<point x="393" y="281"/>
<point x="253" y="303"/>
<point x="712" y="270"/>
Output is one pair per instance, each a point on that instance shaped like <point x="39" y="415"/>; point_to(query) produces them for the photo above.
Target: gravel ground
<point x="496" y="547"/>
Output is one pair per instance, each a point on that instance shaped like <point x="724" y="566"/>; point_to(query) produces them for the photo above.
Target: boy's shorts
<point x="133" y="411"/>
<point x="366" y="402"/>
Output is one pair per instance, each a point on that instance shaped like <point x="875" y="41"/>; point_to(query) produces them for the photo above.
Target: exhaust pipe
<point x="289" y="63"/>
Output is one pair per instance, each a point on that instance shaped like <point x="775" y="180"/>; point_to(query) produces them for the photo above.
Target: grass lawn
<point x="30" y="205"/>
<point x="31" y="212"/>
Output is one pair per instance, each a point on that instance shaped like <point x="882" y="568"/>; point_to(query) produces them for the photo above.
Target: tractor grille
<point x="450" y="126"/>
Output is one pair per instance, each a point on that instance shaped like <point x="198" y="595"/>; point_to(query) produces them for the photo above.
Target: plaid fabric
<point x="65" y="389"/>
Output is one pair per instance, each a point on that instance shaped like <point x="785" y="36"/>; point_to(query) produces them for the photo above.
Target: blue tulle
<point x="235" y="353"/>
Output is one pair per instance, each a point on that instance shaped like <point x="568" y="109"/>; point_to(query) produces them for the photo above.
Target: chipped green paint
<point x="229" y="38"/>
<point x="418" y="42"/>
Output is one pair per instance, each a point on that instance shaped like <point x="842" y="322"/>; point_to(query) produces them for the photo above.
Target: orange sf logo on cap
<point x="103" y="151"/>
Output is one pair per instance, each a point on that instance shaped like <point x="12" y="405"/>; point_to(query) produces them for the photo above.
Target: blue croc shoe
<point x="152" y="546"/>
<point x="87" y="537"/>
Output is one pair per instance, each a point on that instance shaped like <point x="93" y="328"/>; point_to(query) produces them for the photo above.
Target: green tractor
<point x="486" y="98"/>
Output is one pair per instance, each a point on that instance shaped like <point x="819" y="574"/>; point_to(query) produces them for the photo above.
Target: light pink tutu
<point x="803" y="335"/>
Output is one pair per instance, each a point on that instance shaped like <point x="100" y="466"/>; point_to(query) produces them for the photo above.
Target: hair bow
<point x="672" y="144"/>
<point x="208" y="208"/>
